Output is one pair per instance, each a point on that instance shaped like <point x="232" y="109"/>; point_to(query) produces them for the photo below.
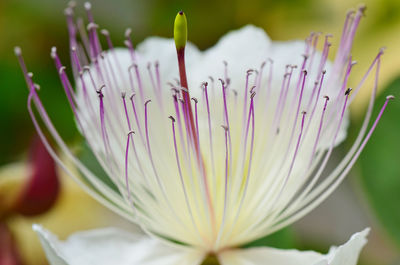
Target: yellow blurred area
<point x="74" y="211"/>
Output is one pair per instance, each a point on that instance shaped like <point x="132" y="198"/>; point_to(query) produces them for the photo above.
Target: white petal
<point x="264" y="255"/>
<point x="113" y="246"/>
<point x="242" y="49"/>
<point x="346" y="254"/>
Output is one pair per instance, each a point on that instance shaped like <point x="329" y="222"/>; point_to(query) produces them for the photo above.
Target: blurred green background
<point x="372" y="192"/>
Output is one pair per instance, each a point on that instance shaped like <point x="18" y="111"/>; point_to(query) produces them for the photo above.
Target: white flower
<point x="114" y="246"/>
<point x="239" y="161"/>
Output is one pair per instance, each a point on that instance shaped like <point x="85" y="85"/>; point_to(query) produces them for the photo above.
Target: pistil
<point x="180" y="36"/>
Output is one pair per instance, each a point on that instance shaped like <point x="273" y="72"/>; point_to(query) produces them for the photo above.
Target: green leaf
<point x="380" y="163"/>
<point x="90" y="161"/>
<point x="284" y="238"/>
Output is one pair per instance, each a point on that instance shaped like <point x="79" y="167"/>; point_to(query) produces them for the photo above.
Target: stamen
<point x="210" y="133"/>
<point x="128" y="42"/>
<point x="314" y="50"/>
<point x="316" y="101"/>
<point x="178" y="115"/>
<point x="102" y="123"/>
<point x="294" y="157"/>
<point x="133" y="143"/>
<point x="113" y="198"/>
<point x="318" y="199"/>
<point x="72" y="31"/>
<point x="136" y="118"/>
<point x="159" y="182"/>
<point x="348" y="156"/>
<point x="227" y="80"/>
<point x="158" y="77"/>
<point x="196" y="118"/>
<point x="282" y="99"/>
<point x="375" y="61"/>
<point x="181" y="176"/>
<point x="117" y="62"/>
<point x="333" y="142"/>
<point x="246" y="88"/>
<point x="155" y="85"/>
<point x="319" y="132"/>
<point x="227" y="170"/>
<point x="247" y="179"/>
<point x="324" y="56"/>
<point x="95" y="48"/>
<point x="226" y="119"/>
<point x="126" y="164"/>
<point x="83" y="35"/>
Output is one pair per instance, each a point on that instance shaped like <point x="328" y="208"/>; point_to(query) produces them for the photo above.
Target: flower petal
<point x="346" y="254"/>
<point x="264" y="255"/>
<point x="113" y="246"/>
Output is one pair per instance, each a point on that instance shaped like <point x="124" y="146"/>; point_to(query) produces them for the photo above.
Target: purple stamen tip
<point x="68" y="11"/>
<point x="348" y="91"/>
<point x="100" y="90"/>
<point x="17" y="51"/>
<point x="172" y="118"/>
<point x="350" y="12"/>
<point x="62" y="69"/>
<point x="91" y="26"/>
<point x="390" y="97"/>
<point x="87" y="5"/>
<point x="105" y="32"/>
<point x="362" y="9"/>
<point x="128" y="32"/>
<point x="53" y="52"/>
<point x="181" y="12"/>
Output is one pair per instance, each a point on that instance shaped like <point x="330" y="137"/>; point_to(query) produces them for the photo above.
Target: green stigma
<point x="180" y="30"/>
